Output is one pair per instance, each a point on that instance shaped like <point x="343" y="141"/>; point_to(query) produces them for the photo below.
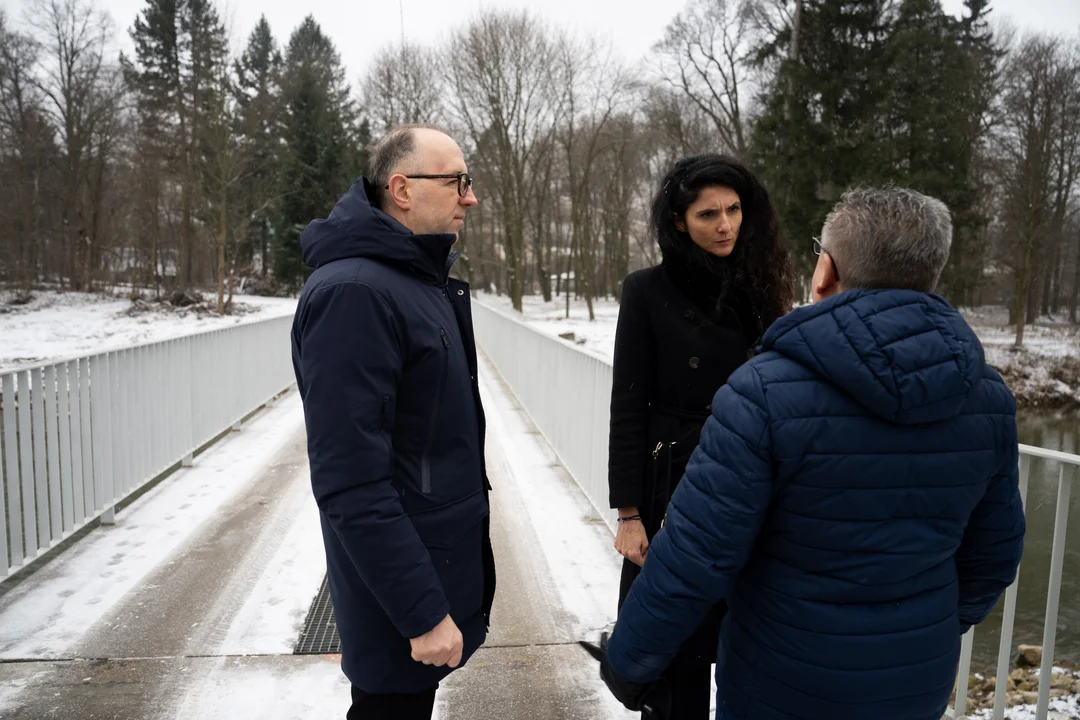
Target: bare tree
<point x="706" y="53"/>
<point x="623" y="207"/>
<point x="26" y="150"/>
<point x="544" y="199"/>
<point x="404" y="86"/>
<point x="82" y="98"/>
<point x="1041" y="73"/>
<point x="595" y="87"/>
<point x="501" y="83"/>
<point x="1066" y="170"/>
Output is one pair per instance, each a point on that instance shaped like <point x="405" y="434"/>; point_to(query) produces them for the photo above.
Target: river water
<point x="1057" y="433"/>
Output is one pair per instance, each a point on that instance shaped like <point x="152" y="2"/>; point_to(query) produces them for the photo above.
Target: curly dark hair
<point x="759" y="265"/>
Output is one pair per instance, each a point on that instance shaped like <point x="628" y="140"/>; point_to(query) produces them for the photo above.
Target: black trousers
<point x="690" y="674"/>
<point x="391" y="706"/>
<point x="691" y="690"/>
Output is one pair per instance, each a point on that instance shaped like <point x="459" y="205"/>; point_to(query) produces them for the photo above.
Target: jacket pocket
<point x="453" y="535"/>
<point x="433" y="426"/>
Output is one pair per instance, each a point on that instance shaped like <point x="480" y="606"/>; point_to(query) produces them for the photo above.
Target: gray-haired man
<point x="853" y="497"/>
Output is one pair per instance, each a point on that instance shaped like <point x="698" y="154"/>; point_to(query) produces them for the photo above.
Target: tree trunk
<point x="264" y="244"/>
<point x="1049" y="272"/>
<point x="1020" y="293"/>
<point x="515" y="245"/>
<point x="1074" y="302"/>
<point x="569" y="269"/>
<point x="1058" y="272"/>
<point x="232" y="276"/>
<point x="1033" y="298"/>
<point x="543" y="253"/>
<point x="223" y="236"/>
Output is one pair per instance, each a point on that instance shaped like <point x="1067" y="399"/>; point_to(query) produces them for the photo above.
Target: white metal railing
<point x="532" y="364"/>
<point x="1068" y="468"/>
<point x="575" y="421"/>
<point x="79" y="435"/>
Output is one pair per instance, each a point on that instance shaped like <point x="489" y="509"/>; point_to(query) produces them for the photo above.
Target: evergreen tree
<point x="878" y="93"/>
<point x="816" y="134"/>
<point x="929" y="108"/>
<point x="154" y="78"/>
<point x="323" y="141"/>
<point x="258" y="98"/>
<point x="180" y="52"/>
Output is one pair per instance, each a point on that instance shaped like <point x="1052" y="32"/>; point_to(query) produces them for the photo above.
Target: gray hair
<point x="387" y="155"/>
<point x="888" y="238"/>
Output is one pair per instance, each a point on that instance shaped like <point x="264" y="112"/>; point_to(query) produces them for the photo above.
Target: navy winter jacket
<point x="854" y="497"/>
<point x="385" y="362"/>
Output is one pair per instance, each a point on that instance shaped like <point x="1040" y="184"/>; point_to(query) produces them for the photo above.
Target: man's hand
<point x="630" y="539"/>
<point x="652" y="700"/>
<point x="440" y="646"/>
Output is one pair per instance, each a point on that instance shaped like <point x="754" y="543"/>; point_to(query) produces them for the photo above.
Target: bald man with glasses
<point x="385" y="362"/>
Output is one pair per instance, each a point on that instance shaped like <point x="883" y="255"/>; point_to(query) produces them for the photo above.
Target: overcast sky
<point x="359" y="27"/>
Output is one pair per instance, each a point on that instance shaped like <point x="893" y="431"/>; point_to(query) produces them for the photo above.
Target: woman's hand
<point x="630" y="540"/>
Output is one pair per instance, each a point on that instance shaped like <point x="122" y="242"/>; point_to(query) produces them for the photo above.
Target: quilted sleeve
<point x="713" y="522"/>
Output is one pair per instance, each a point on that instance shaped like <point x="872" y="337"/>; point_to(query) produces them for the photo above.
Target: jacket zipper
<point x="425" y="464"/>
<point x="667" y="476"/>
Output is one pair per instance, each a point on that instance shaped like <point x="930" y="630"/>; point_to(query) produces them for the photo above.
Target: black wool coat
<point x="673" y="350"/>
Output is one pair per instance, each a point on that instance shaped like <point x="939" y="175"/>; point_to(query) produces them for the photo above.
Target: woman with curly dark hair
<point x="684" y="326"/>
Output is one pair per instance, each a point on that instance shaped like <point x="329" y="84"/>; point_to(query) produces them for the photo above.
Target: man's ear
<point x="823" y="284"/>
<point x="398" y="192"/>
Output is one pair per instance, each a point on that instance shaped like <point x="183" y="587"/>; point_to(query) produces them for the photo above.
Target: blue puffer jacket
<point x="385" y="362"/>
<point x="854" y="497"/>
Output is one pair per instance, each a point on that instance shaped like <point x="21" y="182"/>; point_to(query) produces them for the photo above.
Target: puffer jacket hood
<point x="906" y="356"/>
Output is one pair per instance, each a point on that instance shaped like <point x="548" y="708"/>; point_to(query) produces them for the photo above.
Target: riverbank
<point x="1022" y="690"/>
<point x="1045" y="373"/>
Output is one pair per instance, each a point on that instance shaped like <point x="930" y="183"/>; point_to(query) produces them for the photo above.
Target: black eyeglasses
<point x="819" y="250"/>
<point x="464" y="181"/>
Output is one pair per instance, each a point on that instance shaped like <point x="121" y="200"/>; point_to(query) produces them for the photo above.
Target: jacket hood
<point x="906" y="356"/>
<point x="358" y="229"/>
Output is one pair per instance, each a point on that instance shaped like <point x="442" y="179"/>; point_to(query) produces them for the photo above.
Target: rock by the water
<point x="1029" y="656"/>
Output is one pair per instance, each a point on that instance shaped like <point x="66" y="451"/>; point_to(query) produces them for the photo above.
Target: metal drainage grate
<point x="320" y="635"/>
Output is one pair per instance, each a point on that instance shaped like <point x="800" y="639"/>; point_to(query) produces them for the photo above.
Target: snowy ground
<point x="1045" y="373"/>
<point x="189" y="606"/>
<point x="80" y="588"/>
<point x="58" y="325"/>
<point x="596" y="337"/>
<point x="114" y="604"/>
<point x="1066" y="707"/>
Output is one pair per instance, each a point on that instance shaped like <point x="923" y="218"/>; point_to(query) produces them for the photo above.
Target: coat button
<point x="689" y="314"/>
<point x="694" y="363"/>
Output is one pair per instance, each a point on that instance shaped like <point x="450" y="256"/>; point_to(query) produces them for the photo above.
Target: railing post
<point x="1053" y="593"/>
<point x="1008" y="618"/>
<point x="963" y="672"/>
<point x="188" y="460"/>
<point x="10" y="459"/>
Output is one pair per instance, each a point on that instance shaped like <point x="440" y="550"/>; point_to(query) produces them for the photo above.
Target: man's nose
<point x="470" y="199"/>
